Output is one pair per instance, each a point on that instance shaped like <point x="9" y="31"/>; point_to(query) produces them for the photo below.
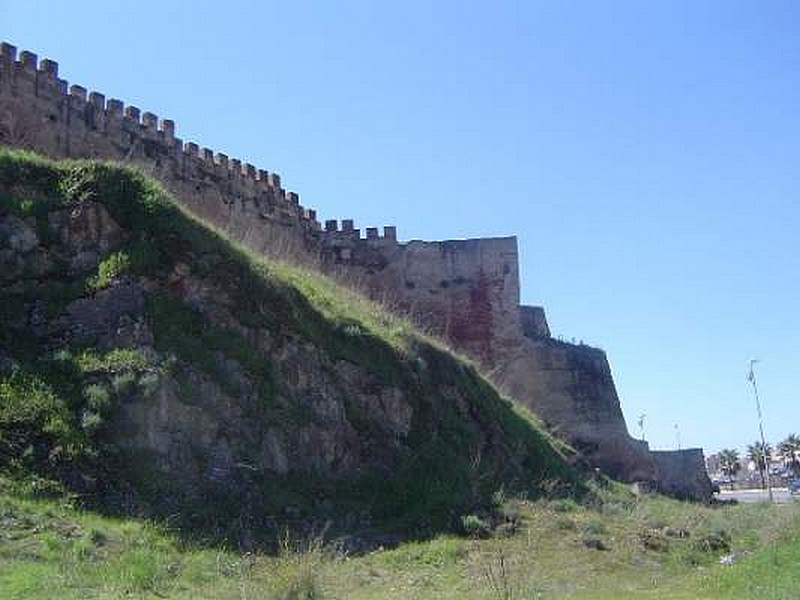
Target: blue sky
<point x="645" y="154"/>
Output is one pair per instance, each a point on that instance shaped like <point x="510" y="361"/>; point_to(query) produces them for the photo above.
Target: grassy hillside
<point x="651" y="548"/>
<point x="63" y="395"/>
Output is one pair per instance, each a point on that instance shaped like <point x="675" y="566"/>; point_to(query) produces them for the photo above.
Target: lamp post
<point x="751" y="377"/>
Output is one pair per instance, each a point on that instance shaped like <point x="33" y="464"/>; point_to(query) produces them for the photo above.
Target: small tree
<point x="760" y="454"/>
<point x="790" y="448"/>
<point x="729" y="463"/>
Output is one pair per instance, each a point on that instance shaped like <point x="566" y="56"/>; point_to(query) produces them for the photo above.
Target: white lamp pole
<point x="751" y="377"/>
<point x="640" y="422"/>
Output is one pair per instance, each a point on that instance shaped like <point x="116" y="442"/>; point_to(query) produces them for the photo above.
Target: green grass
<point x="49" y="549"/>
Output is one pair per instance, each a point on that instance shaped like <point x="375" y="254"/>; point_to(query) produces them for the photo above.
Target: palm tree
<point x="760" y="454"/>
<point x="790" y="447"/>
<point x="729" y="463"/>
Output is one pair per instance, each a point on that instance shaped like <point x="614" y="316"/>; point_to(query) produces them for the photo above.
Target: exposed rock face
<point x="342" y="422"/>
<point x="20" y="255"/>
<point x="214" y="435"/>
<point x="231" y="381"/>
<point x="111" y="318"/>
<point x="86" y="232"/>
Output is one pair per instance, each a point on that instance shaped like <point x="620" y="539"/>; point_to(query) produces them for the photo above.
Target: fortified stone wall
<point x="40" y="111"/>
<point x="466" y="291"/>
<point x="534" y="322"/>
<point x="682" y="473"/>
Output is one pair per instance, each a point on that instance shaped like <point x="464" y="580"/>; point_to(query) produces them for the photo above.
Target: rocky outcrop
<point x="206" y="376"/>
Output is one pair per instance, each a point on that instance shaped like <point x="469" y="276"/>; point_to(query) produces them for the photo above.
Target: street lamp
<point x="751" y="377"/>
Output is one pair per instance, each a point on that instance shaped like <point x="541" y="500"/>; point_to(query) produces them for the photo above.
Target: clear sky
<point x="644" y="153"/>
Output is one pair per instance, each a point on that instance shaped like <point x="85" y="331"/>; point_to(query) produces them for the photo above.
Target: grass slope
<point x="55" y="405"/>
<point x="48" y="549"/>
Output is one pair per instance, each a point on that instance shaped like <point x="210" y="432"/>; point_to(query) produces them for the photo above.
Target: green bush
<point x="123" y="383"/>
<point x="565" y="505"/>
<point x="97" y="398"/>
<point x="475" y="527"/>
<point x="594" y="528"/>
<point x="36" y="425"/>
<point x="717" y="540"/>
<point x="115" y="361"/>
<point x="91" y="421"/>
<point x="110" y="268"/>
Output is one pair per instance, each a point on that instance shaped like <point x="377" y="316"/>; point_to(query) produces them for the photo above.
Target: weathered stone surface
<point x="20" y="253"/>
<point x="570" y="387"/>
<point x="534" y="322"/>
<point x="87" y="232"/>
<point x="466" y="291"/>
<point x="682" y="473"/>
<point x="111" y="318"/>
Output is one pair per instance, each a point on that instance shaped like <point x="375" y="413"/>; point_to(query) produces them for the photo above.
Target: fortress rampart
<point x="44" y="113"/>
<point x="466" y="291"/>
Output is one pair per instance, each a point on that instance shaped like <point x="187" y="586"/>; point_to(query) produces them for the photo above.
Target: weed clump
<point x="475" y="527"/>
<point x="111" y="268"/>
<point x="717" y="540"/>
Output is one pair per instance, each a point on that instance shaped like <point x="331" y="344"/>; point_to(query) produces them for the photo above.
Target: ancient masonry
<point x="466" y="291"/>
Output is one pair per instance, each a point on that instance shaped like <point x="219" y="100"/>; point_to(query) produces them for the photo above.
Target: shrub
<point x="474" y="526"/>
<point x="594" y="543"/>
<point x="36" y="426"/>
<point x="714" y="541"/>
<point x="109" y="269"/>
<point x="594" y="528"/>
<point x="91" y="421"/>
<point x="565" y="524"/>
<point x="97" y="398"/>
<point x="149" y="384"/>
<point x="565" y="505"/>
<point x="509" y="511"/>
<point x="655" y="540"/>
<point x="123" y="383"/>
<point x="115" y="361"/>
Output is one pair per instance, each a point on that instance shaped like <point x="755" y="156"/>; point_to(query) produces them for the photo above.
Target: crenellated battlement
<point x="43" y="112"/>
<point x="334" y="233"/>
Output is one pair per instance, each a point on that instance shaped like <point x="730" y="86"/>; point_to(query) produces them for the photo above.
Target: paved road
<point x="780" y="495"/>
